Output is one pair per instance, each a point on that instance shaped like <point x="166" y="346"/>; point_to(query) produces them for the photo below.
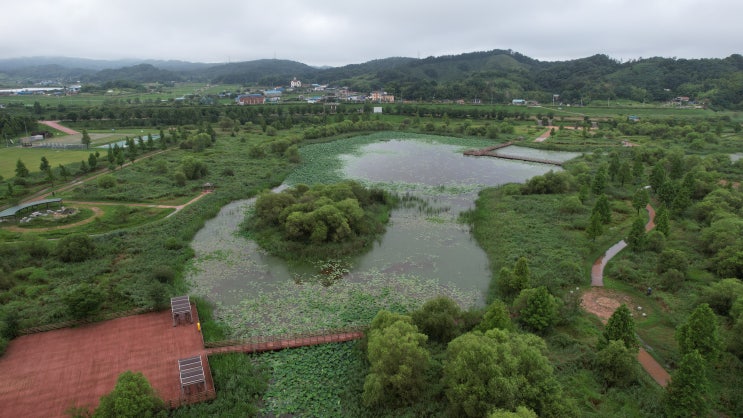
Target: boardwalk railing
<point x="76" y="322"/>
<point x="278" y="342"/>
<point x="207" y="395"/>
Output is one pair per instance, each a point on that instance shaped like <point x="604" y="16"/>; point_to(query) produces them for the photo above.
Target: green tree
<point x="640" y="199"/>
<point x="688" y="394"/>
<point x="44" y="166"/>
<point x="85" y="139"/>
<point x="92" y="161"/>
<point x="83" y="300"/>
<point x="536" y="308"/>
<point x="504" y="370"/>
<point x="657" y="177"/>
<point x="620" y="327"/>
<point x="20" y="169"/>
<point x="497" y="316"/>
<point x="595" y="227"/>
<point x="521" y="274"/>
<point x="600" y="180"/>
<point x="638" y="170"/>
<point x="700" y="333"/>
<point x="64" y="172"/>
<point x="397" y="365"/>
<point x="132" y="397"/>
<point x="75" y="248"/>
<point x="602" y="208"/>
<point x="625" y="173"/>
<point x="614" y="164"/>
<point x="636" y="237"/>
<point x="662" y="221"/>
<point x="616" y="364"/>
<point x="439" y="318"/>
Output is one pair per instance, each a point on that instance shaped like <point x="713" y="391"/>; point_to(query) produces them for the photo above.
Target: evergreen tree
<point x="600" y="179"/>
<point x="20" y="169"/>
<point x="86" y="139"/>
<point x="625" y="173"/>
<point x="602" y="209"/>
<point x="662" y="222"/>
<point x="657" y="177"/>
<point x="64" y="172"/>
<point x="44" y="166"/>
<point x="614" y="164"/>
<point x="640" y="199"/>
<point x="636" y="237"/>
<point x="688" y="393"/>
<point x="700" y="333"/>
<point x="595" y="227"/>
<point x="92" y="161"/>
<point x="620" y="327"/>
<point x="638" y="170"/>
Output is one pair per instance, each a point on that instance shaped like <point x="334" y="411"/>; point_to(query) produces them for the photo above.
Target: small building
<point x="295" y="83"/>
<point x="518" y="102"/>
<point x="250" y="99"/>
<point x="381" y="97"/>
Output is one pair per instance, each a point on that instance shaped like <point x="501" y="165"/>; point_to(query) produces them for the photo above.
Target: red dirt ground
<point x="44" y="374"/>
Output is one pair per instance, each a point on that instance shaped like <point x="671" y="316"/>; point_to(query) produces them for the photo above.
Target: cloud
<point x="343" y="32"/>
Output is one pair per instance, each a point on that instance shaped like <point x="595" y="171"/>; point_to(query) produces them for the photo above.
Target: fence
<point x="76" y="322"/>
<point x="274" y="342"/>
<point x="59" y="145"/>
<point x="207" y="395"/>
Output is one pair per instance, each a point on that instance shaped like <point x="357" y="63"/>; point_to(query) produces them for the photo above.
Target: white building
<point x="296" y="83"/>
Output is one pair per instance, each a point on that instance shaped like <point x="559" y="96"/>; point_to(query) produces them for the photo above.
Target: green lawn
<point x="31" y="157"/>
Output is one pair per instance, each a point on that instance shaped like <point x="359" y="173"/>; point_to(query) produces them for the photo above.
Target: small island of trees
<point x="320" y="221"/>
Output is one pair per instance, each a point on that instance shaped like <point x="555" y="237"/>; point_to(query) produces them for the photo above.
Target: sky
<point x="340" y="32"/>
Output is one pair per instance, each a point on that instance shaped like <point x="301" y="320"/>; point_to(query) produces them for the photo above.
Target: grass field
<point x="31" y="157"/>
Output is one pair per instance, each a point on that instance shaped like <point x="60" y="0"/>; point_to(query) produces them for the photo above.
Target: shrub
<point x="75" y="248"/>
<point x="106" y="182"/>
<point x="163" y="274"/>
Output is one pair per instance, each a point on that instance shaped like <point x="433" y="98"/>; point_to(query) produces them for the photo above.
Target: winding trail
<point x="602" y="302"/>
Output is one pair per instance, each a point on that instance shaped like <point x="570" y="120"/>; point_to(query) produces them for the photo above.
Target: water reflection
<point x="426" y="243"/>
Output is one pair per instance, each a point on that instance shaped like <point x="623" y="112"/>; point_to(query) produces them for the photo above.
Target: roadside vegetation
<point x="537" y="353"/>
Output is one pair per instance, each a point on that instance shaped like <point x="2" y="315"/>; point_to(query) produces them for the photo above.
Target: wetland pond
<point x="424" y="252"/>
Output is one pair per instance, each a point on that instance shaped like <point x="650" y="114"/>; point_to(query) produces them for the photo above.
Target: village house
<point x="250" y="99"/>
<point x="381" y="97"/>
<point x="295" y="84"/>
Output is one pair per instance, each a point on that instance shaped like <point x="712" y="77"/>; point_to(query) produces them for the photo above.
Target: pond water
<point x="429" y="245"/>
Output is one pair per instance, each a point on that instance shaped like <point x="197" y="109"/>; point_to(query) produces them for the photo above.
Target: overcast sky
<point x="330" y="32"/>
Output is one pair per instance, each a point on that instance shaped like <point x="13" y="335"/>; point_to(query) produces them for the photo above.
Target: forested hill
<point x="496" y="76"/>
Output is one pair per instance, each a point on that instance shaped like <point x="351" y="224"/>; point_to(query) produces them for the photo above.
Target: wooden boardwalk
<point x="259" y="345"/>
<point x="491" y="152"/>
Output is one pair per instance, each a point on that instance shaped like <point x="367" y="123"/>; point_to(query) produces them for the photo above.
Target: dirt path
<point x="603" y="302"/>
<point x="546" y="134"/>
<point x="55" y="124"/>
<point x="97" y="213"/>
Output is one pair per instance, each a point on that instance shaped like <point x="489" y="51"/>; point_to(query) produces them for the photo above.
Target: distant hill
<point x="496" y="76"/>
<point x="267" y="72"/>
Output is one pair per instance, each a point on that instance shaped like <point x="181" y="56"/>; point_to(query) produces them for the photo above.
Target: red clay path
<point x="55" y="124"/>
<point x="44" y="374"/>
<point x="601" y="304"/>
